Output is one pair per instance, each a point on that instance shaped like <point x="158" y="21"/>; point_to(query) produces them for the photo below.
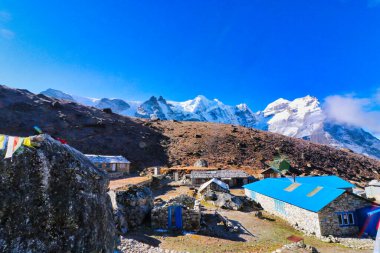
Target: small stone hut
<point x="321" y="205"/>
<point x="111" y="164"/>
<point x="270" y="173"/>
<point x="230" y="177"/>
<point x="214" y="185"/>
<point x="180" y="213"/>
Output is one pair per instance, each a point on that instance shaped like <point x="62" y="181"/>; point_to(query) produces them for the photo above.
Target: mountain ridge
<point x="302" y="118"/>
<point x="172" y="143"/>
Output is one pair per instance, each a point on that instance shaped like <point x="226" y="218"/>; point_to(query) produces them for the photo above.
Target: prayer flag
<point x="28" y="142"/>
<point x="13" y="144"/>
<point x="3" y="141"/>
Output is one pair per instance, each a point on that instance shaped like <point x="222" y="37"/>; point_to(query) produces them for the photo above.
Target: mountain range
<point x="302" y="118"/>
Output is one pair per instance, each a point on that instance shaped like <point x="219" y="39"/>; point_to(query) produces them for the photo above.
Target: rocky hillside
<point x="148" y="143"/>
<point x="88" y="129"/>
<point x="302" y="118"/>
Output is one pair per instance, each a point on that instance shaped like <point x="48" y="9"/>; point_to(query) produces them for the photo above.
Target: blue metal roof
<point x="275" y="188"/>
<point x="325" y="181"/>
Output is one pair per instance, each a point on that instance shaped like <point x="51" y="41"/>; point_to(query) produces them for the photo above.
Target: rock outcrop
<point x="53" y="199"/>
<point x="201" y="163"/>
<point x="131" y="207"/>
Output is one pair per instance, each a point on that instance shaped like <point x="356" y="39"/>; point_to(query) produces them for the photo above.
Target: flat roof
<point x="312" y="197"/>
<point x="107" y="159"/>
<point x="220" y="174"/>
<point x="327" y="181"/>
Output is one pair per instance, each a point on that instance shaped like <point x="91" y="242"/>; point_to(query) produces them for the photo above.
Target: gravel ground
<point x="131" y="245"/>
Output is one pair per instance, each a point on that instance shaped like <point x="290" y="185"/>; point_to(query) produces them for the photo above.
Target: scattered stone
<point x="131" y="245"/>
<point x="357" y="243"/>
<point x="226" y="200"/>
<point x="297" y="247"/>
<point x="201" y="163"/>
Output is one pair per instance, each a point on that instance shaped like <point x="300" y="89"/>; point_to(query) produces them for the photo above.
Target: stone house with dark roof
<point x="111" y="164"/>
<point x="322" y="205"/>
<point x="230" y="177"/>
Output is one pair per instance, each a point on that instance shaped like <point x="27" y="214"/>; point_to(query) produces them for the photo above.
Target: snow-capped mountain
<point x="301" y="118"/>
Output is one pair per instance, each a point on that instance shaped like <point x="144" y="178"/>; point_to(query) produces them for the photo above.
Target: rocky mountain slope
<point x="301" y="118"/>
<point x="149" y="143"/>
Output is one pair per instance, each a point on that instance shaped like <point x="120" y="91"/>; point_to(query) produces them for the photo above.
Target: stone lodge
<point x="321" y="205"/>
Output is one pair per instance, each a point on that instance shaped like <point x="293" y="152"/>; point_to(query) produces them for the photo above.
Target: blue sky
<point x="251" y="51"/>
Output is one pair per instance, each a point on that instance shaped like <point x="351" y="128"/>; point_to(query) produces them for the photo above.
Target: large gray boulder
<point x="131" y="207"/>
<point x="228" y="201"/>
<point x="53" y="199"/>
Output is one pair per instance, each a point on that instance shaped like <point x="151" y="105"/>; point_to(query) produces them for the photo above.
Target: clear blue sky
<point x="238" y="51"/>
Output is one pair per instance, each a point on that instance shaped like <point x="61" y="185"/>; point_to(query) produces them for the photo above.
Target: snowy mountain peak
<point x="276" y="106"/>
<point x="243" y="107"/>
<point x="301" y="118"/>
<point x="57" y="94"/>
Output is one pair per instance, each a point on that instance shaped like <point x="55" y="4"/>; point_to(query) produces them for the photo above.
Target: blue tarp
<point x="368" y="219"/>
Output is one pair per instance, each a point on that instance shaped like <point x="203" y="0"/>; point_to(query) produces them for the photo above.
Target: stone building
<point x="373" y="190"/>
<point x="230" y="177"/>
<point x="322" y="205"/>
<point x="214" y="185"/>
<point x="180" y="213"/>
<point x="270" y="173"/>
<point x="111" y="164"/>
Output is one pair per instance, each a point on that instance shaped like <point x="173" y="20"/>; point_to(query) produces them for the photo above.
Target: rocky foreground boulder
<point x="52" y="199"/>
<point x="131" y="207"/>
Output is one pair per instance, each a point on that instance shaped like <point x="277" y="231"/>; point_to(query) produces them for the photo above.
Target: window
<point x="346" y="219"/>
<point x="279" y="206"/>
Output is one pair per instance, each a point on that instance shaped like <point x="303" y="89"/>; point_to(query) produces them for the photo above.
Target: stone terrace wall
<point x="300" y="218"/>
<point x="329" y="219"/>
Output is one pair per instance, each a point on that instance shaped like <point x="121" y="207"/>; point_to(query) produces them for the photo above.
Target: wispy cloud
<point x="351" y="110"/>
<point x="5" y="16"/>
<point x="6" y="33"/>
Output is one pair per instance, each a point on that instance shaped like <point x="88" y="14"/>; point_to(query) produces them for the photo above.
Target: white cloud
<point x="6" y="33"/>
<point x="359" y="112"/>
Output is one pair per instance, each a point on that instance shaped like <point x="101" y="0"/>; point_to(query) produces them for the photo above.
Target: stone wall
<point x="323" y="223"/>
<point x="191" y="218"/>
<point x="329" y="219"/>
<point x="114" y="167"/>
<point x="191" y="213"/>
<point x="301" y="218"/>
